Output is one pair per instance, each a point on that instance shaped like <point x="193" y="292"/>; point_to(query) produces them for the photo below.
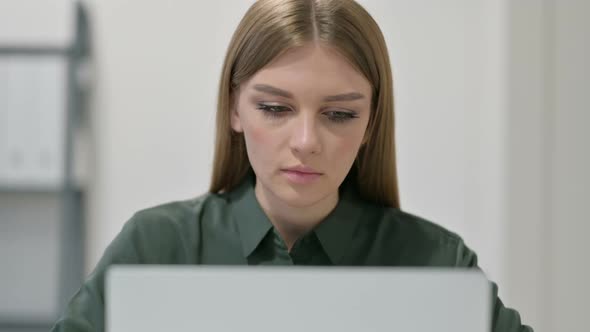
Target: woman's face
<point x="303" y="117"/>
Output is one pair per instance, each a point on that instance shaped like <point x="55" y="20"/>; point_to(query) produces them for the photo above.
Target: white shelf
<point x="37" y="23"/>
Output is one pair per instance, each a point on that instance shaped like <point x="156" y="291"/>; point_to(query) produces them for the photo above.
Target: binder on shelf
<point x="32" y="121"/>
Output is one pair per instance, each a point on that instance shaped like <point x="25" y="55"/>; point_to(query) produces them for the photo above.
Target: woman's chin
<point x="295" y="197"/>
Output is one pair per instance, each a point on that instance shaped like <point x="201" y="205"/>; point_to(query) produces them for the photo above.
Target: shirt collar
<point x="252" y="222"/>
<point x="335" y="232"/>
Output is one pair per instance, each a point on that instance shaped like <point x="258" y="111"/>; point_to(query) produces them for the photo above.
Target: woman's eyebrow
<point x="286" y="94"/>
<point x="345" y="97"/>
<point x="273" y="91"/>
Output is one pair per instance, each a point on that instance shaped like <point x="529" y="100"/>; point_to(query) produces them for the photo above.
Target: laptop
<point x="295" y="299"/>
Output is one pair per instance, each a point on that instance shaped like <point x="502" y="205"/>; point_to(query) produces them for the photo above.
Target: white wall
<point x="548" y="158"/>
<point x="488" y="93"/>
<point x="525" y="236"/>
<point x="569" y="148"/>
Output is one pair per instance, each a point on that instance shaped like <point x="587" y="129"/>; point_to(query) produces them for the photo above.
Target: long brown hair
<point x="271" y="27"/>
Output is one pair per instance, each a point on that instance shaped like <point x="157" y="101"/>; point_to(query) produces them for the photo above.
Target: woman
<point x="304" y="168"/>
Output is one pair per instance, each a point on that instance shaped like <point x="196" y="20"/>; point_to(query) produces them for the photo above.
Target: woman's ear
<point x="235" y="120"/>
<point x="365" y="138"/>
<point x="236" y="124"/>
<point x="368" y="131"/>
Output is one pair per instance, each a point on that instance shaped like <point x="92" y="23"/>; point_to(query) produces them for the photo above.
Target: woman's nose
<point x="305" y="136"/>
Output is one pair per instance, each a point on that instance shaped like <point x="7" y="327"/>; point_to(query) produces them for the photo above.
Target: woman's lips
<point x="301" y="177"/>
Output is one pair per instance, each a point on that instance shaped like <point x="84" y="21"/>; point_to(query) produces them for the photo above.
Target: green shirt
<point x="232" y="229"/>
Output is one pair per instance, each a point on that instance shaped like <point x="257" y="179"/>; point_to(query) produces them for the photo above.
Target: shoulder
<point x="180" y="213"/>
<point x="169" y="232"/>
<point x="419" y="228"/>
<point x="408" y="239"/>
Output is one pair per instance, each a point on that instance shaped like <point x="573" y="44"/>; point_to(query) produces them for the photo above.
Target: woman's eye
<point x="340" y="116"/>
<point x="278" y="111"/>
<point x="272" y="110"/>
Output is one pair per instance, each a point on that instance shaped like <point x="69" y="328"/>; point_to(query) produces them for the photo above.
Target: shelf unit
<point x="42" y="105"/>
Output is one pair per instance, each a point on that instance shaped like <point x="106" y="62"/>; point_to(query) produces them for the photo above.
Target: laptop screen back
<point x="295" y="299"/>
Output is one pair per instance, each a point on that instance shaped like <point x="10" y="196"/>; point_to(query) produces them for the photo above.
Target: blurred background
<point x="107" y="107"/>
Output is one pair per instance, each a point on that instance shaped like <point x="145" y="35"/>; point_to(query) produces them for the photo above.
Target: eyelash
<point x="276" y="111"/>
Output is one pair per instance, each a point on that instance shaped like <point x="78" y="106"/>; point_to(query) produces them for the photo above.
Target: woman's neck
<point x="292" y="222"/>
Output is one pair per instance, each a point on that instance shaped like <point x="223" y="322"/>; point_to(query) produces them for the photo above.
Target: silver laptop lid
<point x="295" y="299"/>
